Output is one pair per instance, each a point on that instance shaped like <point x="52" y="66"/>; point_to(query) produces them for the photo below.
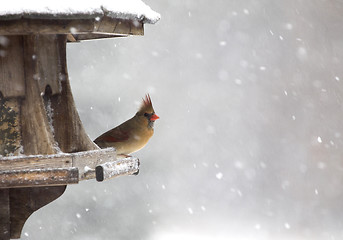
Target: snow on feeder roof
<point x="66" y="9"/>
<point x="81" y="20"/>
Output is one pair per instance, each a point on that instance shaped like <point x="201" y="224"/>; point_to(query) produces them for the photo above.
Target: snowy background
<point x="249" y="143"/>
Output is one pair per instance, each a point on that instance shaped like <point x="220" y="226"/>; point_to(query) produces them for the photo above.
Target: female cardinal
<point x="133" y="134"/>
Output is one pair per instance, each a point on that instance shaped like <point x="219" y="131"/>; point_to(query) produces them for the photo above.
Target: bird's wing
<point x="114" y="135"/>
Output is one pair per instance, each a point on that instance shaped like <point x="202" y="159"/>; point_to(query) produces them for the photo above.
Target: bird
<point x="133" y="134"/>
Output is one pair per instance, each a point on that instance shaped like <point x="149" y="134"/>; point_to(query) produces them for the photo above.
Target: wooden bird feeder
<point x="43" y="145"/>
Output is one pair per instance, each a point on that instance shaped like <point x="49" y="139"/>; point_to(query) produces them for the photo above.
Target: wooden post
<point x="35" y="131"/>
<point x="32" y="123"/>
<point x="4" y="214"/>
<point x="24" y="201"/>
<point x="69" y="132"/>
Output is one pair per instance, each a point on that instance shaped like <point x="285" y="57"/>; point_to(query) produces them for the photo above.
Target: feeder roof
<point x="134" y="10"/>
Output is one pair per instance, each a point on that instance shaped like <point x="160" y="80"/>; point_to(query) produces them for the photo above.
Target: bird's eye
<point x="146" y="114"/>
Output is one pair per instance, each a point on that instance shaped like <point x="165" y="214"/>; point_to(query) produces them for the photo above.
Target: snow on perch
<point x="64" y="168"/>
<point x="119" y="9"/>
<point x="125" y="166"/>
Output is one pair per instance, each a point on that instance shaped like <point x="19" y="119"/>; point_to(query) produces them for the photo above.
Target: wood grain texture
<point x="24" y="201"/>
<point x="123" y="27"/>
<point x="12" y="80"/>
<point x="105" y="24"/>
<point x="37" y="137"/>
<point x="69" y="131"/>
<point x="4" y="214"/>
<point x="137" y="28"/>
<point x="45" y="26"/>
<point x="91" y="36"/>
<point x="36" y="162"/>
<point x="36" y="133"/>
<point x="38" y="177"/>
<point x="85" y="161"/>
<point x="49" y="68"/>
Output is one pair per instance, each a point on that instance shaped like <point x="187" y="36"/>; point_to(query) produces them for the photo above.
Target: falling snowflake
<point x="190" y="210"/>
<point x="219" y="175"/>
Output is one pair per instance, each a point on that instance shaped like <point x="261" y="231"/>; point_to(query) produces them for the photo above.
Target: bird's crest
<point x="146" y="104"/>
<point x="147" y="100"/>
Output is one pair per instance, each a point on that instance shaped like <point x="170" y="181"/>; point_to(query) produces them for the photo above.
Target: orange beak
<point x="154" y="117"/>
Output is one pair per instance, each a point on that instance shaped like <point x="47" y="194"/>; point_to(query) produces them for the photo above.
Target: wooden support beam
<point x="91" y="36"/>
<point x="33" y="124"/>
<point x="85" y="162"/>
<point x="12" y="79"/>
<point x="4" y="214"/>
<point x="64" y="168"/>
<point x="45" y="26"/>
<point x="69" y="132"/>
<point x="104" y="24"/>
<point x="123" y="27"/>
<point x="122" y="167"/>
<point x="38" y="177"/>
<point x="24" y="201"/>
<point x="36" y="162"/>
<point x="48" y="56"/>
<point x="37" y="137"/>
